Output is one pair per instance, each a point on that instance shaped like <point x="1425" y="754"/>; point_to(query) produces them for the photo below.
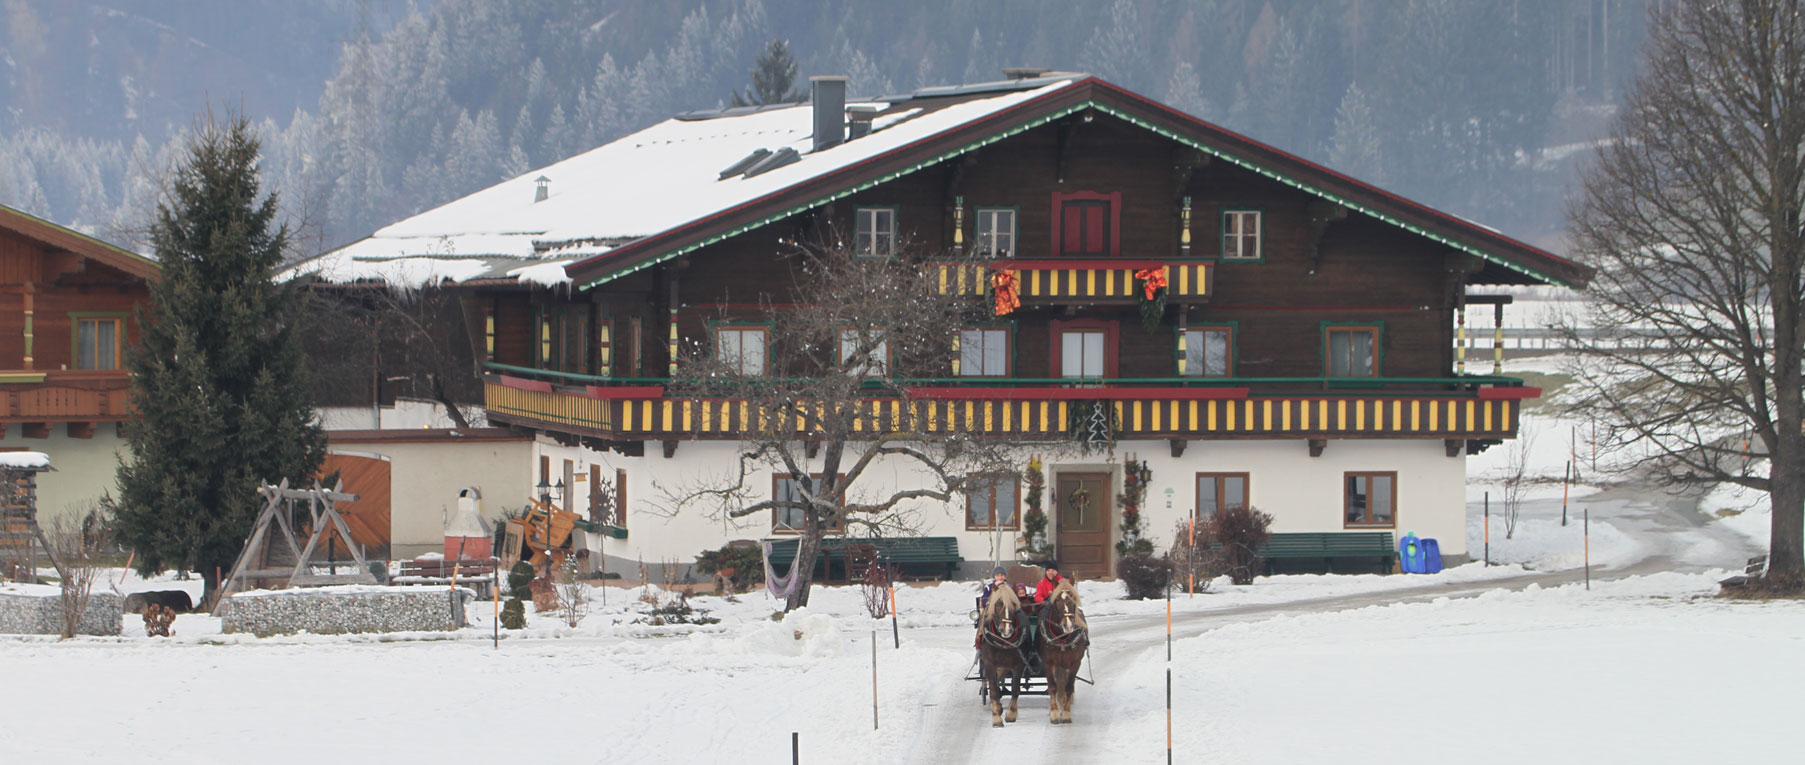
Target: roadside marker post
<point x="895" y="632"/>
<point x="874" y="679"/>
<point x="795" y="748"/>
<point x="1191" y="560"/>
<point x="1588" y="536"/>
<point x="1488" y="529"/>
<point x="1168" y="676"/>
<point x="495" y="596"/>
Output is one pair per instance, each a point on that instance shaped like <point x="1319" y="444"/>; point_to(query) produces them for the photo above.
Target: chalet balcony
<point x="34" y="399"/>
<point x="1461" y="408"/>
<point x="1088" y="281"/>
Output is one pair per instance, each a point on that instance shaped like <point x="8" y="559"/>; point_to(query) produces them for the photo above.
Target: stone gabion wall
<point x="337" y="612"/>
<point x="43" y="614"/>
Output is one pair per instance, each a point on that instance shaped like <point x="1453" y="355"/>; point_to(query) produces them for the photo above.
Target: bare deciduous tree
<point x="1516" y="479"/>
<point x="828" y="410"/>
<point x="1693" y="213"/>
<point x="78" y="547"/>
<point x="361" y="338"/>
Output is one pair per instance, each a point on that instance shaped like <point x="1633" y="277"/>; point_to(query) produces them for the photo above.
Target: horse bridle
<point x="1069" y="634"/>
<point x="1010" y="637"/>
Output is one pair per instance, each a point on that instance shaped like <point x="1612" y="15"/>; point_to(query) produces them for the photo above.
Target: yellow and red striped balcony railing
<point x="643" y="412"/>
<point x="1054" y="281"/>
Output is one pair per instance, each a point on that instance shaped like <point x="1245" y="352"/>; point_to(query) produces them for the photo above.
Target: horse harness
<point x="995" y="640"/>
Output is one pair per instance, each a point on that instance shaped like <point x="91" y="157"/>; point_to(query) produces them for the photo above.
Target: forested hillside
<point x="1470" y="105"/>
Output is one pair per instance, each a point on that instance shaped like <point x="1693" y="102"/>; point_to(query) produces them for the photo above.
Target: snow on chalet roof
<point x="656" y="179"/>
<point x="30" y="460"/>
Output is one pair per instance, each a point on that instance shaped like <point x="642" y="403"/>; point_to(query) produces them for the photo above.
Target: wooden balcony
<point x="36" y="398"/>
<point x="1090" y="281"/>
<point x="1463" y="409"/>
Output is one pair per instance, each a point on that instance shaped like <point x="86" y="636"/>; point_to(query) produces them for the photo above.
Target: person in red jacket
<point x="1044" y="590"/>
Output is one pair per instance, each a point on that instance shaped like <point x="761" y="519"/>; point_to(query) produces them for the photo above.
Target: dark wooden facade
<point x="1321" y="265"/>
<point x="66" y="316"/>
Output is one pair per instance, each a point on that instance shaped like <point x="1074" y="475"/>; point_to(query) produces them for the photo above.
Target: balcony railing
<point x="1054" y="281"/>
<point x="63" y="395"/>
<point x="1457" y="407"/>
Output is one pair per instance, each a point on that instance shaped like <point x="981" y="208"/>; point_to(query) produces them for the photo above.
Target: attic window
<point x="745" y="162"/>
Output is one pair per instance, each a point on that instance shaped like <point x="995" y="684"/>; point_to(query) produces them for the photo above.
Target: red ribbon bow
<point x="1155" y="279"/>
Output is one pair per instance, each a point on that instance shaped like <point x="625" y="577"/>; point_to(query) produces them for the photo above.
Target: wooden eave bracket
<point x="1317" y="445"/>
<point x="1178" y="446"/>
<point x="670" y="447"/>
<point x="1321" y="213"/>
<point x="1454" y="446"/>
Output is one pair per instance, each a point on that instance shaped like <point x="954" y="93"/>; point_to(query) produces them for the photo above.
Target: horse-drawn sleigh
<point x="1038" y="646"/>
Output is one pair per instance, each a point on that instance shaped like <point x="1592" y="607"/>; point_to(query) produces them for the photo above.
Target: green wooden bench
<point x="924" y="557"/>
<point x="1327" y="546"/>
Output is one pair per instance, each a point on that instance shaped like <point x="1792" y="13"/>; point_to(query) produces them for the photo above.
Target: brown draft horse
<point x="1002" y="629"/>
<point x="1064" y="636"/>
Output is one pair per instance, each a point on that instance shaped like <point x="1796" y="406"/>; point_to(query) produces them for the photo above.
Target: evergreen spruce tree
<point x="773" y="72"/>
<point x="217" y="379"/>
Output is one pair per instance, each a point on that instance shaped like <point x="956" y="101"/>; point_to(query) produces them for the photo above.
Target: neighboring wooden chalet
<point x="1306" y="364"/>
<point x="66" y="316"/>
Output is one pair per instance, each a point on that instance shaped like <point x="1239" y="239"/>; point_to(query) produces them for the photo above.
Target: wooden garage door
<point x="368" y="517"/>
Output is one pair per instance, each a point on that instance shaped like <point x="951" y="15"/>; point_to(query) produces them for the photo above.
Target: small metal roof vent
<point x="745" y="163"/>
<point x="784" y="156"/>
<point x="542" y="189"/>
<point x="858" y="120"/>
<point x="1024" y="72"/>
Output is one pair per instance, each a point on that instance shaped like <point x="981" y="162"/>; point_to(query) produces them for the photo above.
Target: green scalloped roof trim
<point x="1042" y="120"/>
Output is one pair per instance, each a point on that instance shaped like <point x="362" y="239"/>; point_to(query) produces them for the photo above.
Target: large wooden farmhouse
<point x="1305" y="363"/>
<point x="66" y="305"/>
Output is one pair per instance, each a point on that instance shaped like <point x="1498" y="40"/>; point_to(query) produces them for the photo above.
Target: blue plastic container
<point x="1431" y="555"/>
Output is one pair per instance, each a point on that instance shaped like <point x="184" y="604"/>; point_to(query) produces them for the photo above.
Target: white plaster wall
<point x="425" y="476"/>
<point x="1302" y="493"/>
<point x="85" y="468"/>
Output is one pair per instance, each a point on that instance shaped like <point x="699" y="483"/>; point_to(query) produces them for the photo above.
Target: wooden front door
<point x="1084" y="521"/>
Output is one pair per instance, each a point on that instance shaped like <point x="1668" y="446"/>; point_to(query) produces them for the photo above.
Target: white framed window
<point x="1209" y="352"/>
<point x="984" y="352"/>
<point x="875" y="232"/>
<point x="1081" y="353"/>
<point x="996" y="232"/>
<point x="1241" y="235"/>
<point x="876" y="361"/>
<point x="745" y="349"/>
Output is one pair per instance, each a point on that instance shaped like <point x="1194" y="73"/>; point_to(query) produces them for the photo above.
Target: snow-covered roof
<point x="657" y="179"/>
<point x="28" y="460"/>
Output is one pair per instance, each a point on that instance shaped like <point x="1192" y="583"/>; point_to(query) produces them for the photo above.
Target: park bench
<point x="916" y="557"/>
<point x="475" y="573"/>
<point x="1756" y="568"/>
<point x="1331" y="545"/>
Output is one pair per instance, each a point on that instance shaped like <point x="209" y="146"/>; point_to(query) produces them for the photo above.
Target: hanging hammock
<point x="779" y="587"/>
